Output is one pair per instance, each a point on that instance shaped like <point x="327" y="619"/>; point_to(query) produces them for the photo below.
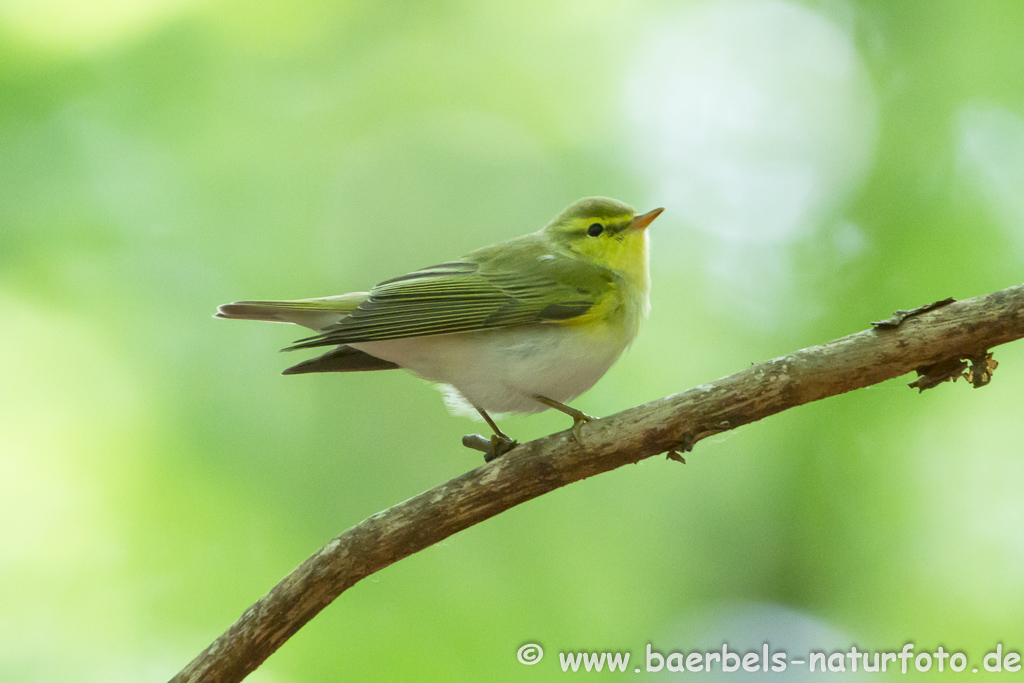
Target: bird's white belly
<point x="502" y="370"/>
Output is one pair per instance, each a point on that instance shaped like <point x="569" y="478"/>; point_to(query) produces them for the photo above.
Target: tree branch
<point x="930" y="339"/>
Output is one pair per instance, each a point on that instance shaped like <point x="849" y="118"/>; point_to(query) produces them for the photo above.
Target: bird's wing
<point x="468" y="295"/>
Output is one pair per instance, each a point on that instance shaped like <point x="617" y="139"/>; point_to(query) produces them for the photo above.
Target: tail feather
<point x="315" y="314"/>
<point x="341" y="359"/>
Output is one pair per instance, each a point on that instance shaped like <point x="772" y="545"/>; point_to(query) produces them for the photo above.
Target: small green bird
<point x="517" y="327"/>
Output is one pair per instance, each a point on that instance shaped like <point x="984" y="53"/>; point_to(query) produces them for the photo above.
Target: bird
<point x="520" y="326"/>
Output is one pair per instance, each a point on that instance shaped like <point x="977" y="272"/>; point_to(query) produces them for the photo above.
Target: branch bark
<point x="921" y="340"/>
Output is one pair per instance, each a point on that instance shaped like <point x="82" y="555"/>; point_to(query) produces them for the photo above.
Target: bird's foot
<point x="578" y="420"/>
<point x="492" y="448"/>
<point x="500" y="445"/>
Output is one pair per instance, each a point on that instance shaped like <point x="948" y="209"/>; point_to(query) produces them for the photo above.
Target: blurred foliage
<point x="822" y="164"/>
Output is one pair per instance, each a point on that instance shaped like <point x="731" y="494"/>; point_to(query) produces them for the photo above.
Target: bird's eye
<point x="595" y="229"/>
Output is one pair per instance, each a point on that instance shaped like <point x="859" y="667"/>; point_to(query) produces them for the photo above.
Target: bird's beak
<point x="643" y="220"/>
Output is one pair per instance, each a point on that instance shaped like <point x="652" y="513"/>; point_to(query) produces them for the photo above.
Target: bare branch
<point x="919" y="340"/>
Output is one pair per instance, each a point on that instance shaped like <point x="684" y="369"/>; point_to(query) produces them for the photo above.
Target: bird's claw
<point x="492" y="448"/>
<point x="577" y="423"/>
<point x="500" y="445"/>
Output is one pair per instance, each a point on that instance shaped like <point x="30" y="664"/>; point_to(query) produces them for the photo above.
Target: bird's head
<point x="606" y="232"/>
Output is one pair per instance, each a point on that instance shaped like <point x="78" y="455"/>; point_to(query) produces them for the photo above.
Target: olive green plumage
<point x="518" y="326"/>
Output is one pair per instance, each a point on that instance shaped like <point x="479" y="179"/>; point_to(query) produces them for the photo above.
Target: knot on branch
<point x="691" y="436"/>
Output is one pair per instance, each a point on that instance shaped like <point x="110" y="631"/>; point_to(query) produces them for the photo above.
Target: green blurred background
<point x="821" y="164"/>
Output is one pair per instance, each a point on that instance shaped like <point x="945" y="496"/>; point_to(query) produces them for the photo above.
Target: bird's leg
<point x="500" y="443"/>
<point x="579" y="418"/>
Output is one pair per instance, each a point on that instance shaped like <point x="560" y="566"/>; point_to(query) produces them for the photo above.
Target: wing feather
<point x="469" y="295"/>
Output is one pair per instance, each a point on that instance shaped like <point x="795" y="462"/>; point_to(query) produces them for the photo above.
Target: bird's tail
<point x="316" y="314"/>
<point x="342" y="359"/>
